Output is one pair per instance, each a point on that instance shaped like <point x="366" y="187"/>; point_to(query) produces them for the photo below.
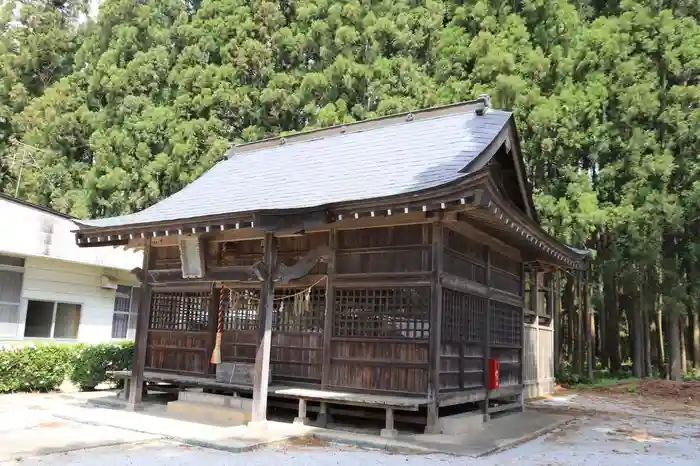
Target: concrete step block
<point x="223" y="401"/>
<point x="462" y="423"/>
<point x="209" y="413"/>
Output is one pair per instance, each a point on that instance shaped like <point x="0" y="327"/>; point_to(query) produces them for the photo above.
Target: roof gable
<point x="403" y="156"/>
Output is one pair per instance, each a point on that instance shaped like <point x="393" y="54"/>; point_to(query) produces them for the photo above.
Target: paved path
<point x="624" y="433"/>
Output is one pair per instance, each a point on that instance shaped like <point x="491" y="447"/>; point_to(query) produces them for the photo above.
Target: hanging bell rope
<point x="216" y="354"/>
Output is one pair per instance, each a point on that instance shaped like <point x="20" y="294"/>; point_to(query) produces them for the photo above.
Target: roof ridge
<point x="363" y="125"/>
<point x="32" y="205"/>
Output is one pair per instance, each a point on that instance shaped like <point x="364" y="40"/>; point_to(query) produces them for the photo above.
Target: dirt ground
<point x="644" y="424"/>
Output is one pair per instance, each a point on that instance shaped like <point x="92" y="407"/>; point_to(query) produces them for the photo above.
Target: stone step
<point x="462" y="423"/>
<point x="212" y="399"/>
<point x="210" y="413"/>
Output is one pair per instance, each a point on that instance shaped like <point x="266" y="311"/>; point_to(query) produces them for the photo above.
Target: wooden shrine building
<point x="381" y="263"/>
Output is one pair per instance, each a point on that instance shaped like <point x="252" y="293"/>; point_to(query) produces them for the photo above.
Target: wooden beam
<point x="261" y="377"/>
<point x="487" y="333"/>
<point x="139" y="361"/>
<point x="435" y="350"/>
<point x="556" y="318"/>
<point x="522" y="339"/>
<point x="328" y="315"/>
<point x="286" y="273"/>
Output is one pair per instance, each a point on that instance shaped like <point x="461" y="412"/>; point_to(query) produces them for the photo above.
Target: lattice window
<point x="505" y="324"/>
<point x="462" y="266"/>
<point x="382" y="313"/>
<point x="299" y="313"/>
<point x="241" y="309"/>
<point x="463" y="317"/>
<point x="186" y="310"/>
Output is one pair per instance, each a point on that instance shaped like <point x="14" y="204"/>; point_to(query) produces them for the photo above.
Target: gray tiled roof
<point x="398" y="158"/>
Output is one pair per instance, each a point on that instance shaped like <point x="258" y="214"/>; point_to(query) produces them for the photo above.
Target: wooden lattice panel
<point x="299" y="313"/>
<point x="241" y="309"/>
<point x="382" y="313"/>
<point x="505" y="325"/>
<point x="185" y="310"/>
<point x="463" y="317"/>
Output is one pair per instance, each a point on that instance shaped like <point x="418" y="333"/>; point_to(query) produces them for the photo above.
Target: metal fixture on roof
<point x="409" y="117"/>
<point x="486" y="100"/>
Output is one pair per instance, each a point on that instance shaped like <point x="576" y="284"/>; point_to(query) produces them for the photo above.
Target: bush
<point x="34" y="368"/>
<point x="91" y="363"/>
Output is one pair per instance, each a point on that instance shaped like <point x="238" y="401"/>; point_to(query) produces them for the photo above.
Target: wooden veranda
<point x="402" y="296"/>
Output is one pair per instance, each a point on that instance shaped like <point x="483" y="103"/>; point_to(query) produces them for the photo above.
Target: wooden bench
<point x="179" y="380"/>
<point x="325" y="397"/>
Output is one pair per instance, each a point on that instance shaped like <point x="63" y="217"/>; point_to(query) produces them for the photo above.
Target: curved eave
<point x="515" y="222"/>
<point x="459" y="194"/>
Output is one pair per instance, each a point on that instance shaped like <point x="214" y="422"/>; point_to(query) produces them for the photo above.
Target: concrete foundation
<point x="463" y="423"/>
<point x="210" y="408"/>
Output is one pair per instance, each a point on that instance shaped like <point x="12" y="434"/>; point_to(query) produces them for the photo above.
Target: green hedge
<point x="91" y="363"/>
<point x="35" y="368"/>
<point x="45" y="367"/>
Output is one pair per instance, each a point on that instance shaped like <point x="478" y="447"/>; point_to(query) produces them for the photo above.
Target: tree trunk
<point x="660" y="336"/>
<point x="612" y="311"/>
<point x="589" y="327"/>
<point x="674" y="346"/>
<point x="696" y="338"/>
<point x="637" y="336"/>
<point x="580" y="328"/>
<point x="647" y="341"/>
<point x="683" y="349"/>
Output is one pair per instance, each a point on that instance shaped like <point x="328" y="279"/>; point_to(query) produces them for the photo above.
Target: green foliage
<point x="34" y="368"/>
<point x="692" y="374"/>
<point x="107" y="116"/>
<point x="91" y="363"/>
<point x="45" y="367"/>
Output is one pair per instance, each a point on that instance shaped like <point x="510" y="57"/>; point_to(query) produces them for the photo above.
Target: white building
<point x="50" y="289"/>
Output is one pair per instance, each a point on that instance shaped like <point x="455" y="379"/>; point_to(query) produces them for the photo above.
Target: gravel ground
<point x="610" y="429"/>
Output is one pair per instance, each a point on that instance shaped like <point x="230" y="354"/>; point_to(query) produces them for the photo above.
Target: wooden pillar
<point x="212" y="324"/>
<point x="487" y="333"/>
<point x="556" y="319"/>
<point x="521" y="375"/>
<point x="142" y="321"/>
<point x="589" y="325"/>
<point x="261" y="377"/>
<point x="433" y="424"/>
<point x="328" y="313"/>
<point x="580" y="331"/>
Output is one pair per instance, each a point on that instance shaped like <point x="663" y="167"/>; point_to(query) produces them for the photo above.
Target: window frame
<point x="20" y="269"/>
<point x="52" y="329"/>
<point x="131" y="314"/>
